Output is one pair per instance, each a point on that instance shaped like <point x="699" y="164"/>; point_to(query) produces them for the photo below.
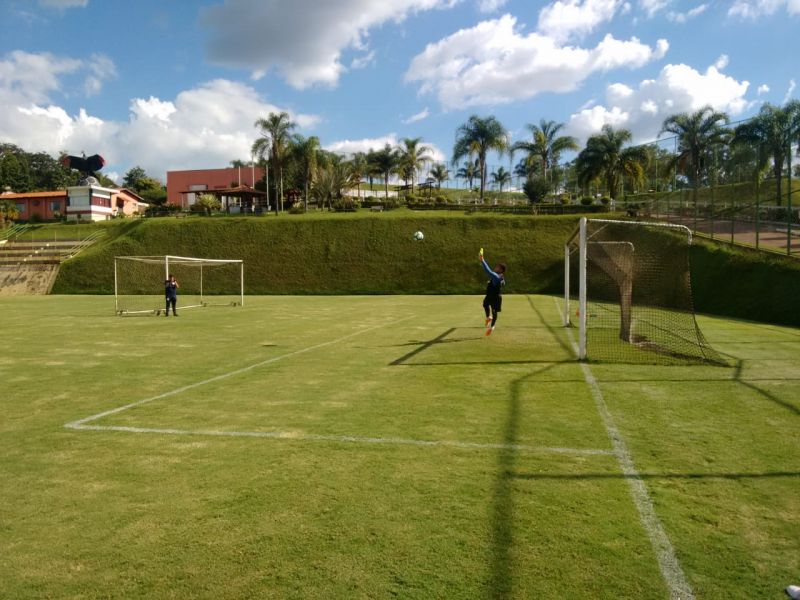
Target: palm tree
<point x="477" y="137"/>
<point x="698" y="133"/>
<point x="468" y="172"/>
<point x="604" y="157"/>
<point x="360" y="166"/>
<point x="774" y="129"/>
<point x="305" y="151"/>
<point x="335" y="176"/>
<point x="501" y="177"/>
<point x="440" y="173"/>
<point x="546" y="145"/>
<point x="386" y="162"/>
<point x="275" y="130"/>
<point x="413" y="156"/>
<point x="238" y="164"/>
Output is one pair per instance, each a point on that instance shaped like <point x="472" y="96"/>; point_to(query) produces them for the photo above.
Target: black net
<point x="639" y="294"/>
<point x="140" y="283"/>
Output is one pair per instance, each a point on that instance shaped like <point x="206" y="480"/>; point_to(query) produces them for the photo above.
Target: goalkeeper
<point x="493" y="301"/>
<point x="171" y="294"/>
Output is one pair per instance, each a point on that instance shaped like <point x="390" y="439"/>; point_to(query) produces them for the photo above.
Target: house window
<point x="21" y="208"/>
<point x="55" y="206"/>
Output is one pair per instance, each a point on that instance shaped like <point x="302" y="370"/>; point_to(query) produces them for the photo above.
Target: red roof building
<point x="201" y="180"/>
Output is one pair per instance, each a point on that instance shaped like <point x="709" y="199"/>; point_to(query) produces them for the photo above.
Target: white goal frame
<point x="166" y="260"/>
<point x="582" y="246"/>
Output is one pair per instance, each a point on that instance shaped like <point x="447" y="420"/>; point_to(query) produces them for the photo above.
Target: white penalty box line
<point x="668" y="564"/>
<point x="85" y="424"/>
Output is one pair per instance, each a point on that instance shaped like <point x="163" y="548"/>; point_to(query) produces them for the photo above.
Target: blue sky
<point x="176" y="84"/>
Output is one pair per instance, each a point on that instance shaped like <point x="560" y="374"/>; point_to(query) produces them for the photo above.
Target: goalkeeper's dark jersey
<point x="496" y="282"/>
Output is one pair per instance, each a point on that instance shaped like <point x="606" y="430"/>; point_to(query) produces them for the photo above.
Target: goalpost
<point x="629" y="285"/>
<point x="139" y="282"/>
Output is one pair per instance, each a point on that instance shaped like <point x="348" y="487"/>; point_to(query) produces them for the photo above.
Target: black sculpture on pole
<point x="87" y="166"/>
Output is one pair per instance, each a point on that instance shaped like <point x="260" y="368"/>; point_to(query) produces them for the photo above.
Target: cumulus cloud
<point x="651" y="7"/>
<point x="678" y="88"/>
<point x="350" y="147"/>
<point x="206" y="126"/>
<point x="763" y="89"/>
<point x="494" y="63"/>
<point x="490" y="6"/>
<point x="101" y="68"/>
<point x="565" y="19"/>
<point x="751" y="9"/>
<point x="682" y="17"/>
<point x="303" y="40"/>
<point x="33" y="77"/>
<point x="421" y="115"/>
<point x="790" y="91"/>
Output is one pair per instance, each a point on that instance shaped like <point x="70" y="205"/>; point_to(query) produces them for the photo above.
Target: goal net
<point x="627" y="287"/>
<point x="139" y="282"/>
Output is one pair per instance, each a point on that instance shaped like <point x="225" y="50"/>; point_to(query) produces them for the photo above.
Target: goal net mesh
<point x="639" y="304"/>
<point x="202" y="282"/>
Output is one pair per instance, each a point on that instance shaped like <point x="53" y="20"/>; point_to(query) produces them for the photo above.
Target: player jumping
<point x="493" y="301"/>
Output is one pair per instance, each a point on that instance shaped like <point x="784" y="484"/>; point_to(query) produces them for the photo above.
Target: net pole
<point x="566" y="285"/>
<point x="116" y="294"/>
<point x="758" y="196"/>
<point x="582" y="290"/>
<point x="166" y="268"/>
<point x="789" y="203"/>
<point x="241" y="283"/>
<point x="201" y="284"/>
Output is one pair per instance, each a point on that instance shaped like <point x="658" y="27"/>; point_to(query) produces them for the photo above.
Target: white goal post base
<point x="139" y="283"/>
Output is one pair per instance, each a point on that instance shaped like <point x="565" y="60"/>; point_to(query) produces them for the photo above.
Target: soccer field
<point x="372" y="447"/>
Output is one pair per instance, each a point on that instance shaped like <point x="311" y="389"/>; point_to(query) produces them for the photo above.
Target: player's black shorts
<point x="493" y="302"/>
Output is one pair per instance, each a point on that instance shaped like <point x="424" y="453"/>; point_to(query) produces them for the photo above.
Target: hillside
<point x="375" y="254"/>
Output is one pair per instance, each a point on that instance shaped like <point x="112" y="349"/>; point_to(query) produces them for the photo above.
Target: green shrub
<point x="587" y="201"/>
<point x="297" y="209"/>
<point x="605" y="200"/>
<point x="345" y="205"/>
<point x="536" y="189"/>
<point x="441" y="199"/>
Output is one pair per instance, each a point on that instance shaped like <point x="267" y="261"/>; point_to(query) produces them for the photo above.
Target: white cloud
<point x="101" y="69"/>
<point x="490" y="6"/>
<point x="421" y="115"/>
<point x="64" y="3"/>
<point x="206" y="126"/>
<point x="565" y="19"/>
<point x="751" y="9"/>
<point x="34" y="76"/>
<point x="303" y="40"/>
<point x="678" y="17"/>
<point x="361" y="62"/>
<point x="763" y="89"/>
<point x="722" y="62"/>
<point x="350" y="147"/>
<point x="678" y="88"/>
<point x="493" y="63"/>
<point x="790" y="91"/>
<point x="651" y="7"/>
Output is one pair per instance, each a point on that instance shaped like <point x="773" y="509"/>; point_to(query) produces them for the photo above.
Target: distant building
<point x="183" y="187"/>
<point x="82" y="202"/>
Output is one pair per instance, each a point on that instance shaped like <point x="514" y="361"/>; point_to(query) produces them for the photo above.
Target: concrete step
<point x="28" y="279"/>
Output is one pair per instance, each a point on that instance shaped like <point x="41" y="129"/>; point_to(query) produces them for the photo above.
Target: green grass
<point x="120" y="514"/>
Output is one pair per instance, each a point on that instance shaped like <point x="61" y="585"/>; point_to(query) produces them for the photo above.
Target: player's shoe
<point x="487" y="322"/>
<point x="793" y="591"/>
<point x="489" y="331"/>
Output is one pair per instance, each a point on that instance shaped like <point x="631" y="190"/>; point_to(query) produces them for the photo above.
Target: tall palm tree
<point x="275" y="134"/>
<point x="477" y="137"/>
<point x="413" y="156"/>
<point x="501" y="177"/>
<point x="698" y="134"/>
<point x="546" y="145"/>
<point x="386" y="162"/>
<point x="336" y="175"/>
<point x="468" y="172"/>
<point x="440" y="173"/>
<point x="605" y="158"/>
<point x="774" y="129"/>
<point x="305" y="151"/>
<point x="360" y="167"/>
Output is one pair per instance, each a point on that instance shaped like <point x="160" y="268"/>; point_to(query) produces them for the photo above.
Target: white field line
<point x="191" y="386"/>
<point x="671" y="571"/>
<point x="313" y="437"/>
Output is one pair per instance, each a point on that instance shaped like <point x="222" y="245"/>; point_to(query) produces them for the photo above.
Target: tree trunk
<point x="306" y="190"/>
<point x="482" y="166"/>
<point x="386" y="184"/>
<point x="777" y="158"/>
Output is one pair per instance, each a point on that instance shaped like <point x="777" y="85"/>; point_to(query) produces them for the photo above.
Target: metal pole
<point x="582" y="290"/>
<point x="116" y="298"/>
<point x="266" y="175"/>
<point x="201" y="283"/>
<point x="758" y="196"/>
<point x="566" y="285"/>
<point x="241" y="283"/>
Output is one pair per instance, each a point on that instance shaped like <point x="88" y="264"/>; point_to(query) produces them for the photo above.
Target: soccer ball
<point x="419" y="236"/>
